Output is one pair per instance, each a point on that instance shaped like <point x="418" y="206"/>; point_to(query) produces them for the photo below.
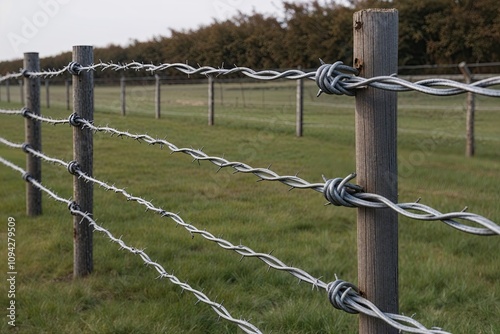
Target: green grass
<point x="447" y="278"/>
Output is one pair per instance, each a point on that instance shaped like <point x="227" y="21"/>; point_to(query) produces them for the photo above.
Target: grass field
<point x="447" y="278"/>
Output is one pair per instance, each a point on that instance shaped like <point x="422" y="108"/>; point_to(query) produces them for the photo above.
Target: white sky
<point x="50" y="27"/>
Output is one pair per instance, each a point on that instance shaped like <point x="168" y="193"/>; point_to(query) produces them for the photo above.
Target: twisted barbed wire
<point x="341" y="193"/>
<point x="342" y="295"/>
<point x="75" y="210"/>
<point x="331" y="79"/>
<point x="11" y="112"/>
<point x="337" y="191"/>
<point x="10" y="76"/>
<point x="335" y="78"/>
<point x="28" y="114"/>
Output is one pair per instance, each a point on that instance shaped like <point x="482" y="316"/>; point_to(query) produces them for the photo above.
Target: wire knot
<point x="336" y="190"/>
<point x="74" y="68"/>
<point x="25" y="147"/>
<point x="27" y="177"/>
<point x="338" y="291"/>
<point x="25" y="73"/>
<point x="73" y="167"/>
<point x="330" y="78"/>
<point x="25" y="112"/>
<point x="74" y="120"/>
<point x="73" y="207"/>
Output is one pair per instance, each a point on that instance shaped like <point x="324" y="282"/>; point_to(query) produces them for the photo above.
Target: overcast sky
<point x="50" y="27"/>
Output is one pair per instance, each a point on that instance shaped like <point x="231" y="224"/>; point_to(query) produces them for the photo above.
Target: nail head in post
<point x="74" y="68"/>
<point x="74" y="120"/>
<point x="73" y="167"/>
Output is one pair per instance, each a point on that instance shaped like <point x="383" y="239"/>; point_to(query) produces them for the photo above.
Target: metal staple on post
<point x="33" y="133"/>
<point x="83" y="106"/>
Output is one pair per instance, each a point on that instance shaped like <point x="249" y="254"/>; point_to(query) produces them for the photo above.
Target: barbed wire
<point x="335" y="78"/>
<point x="331" y="79"/>
<point x="11" y="112"/>
<point x="342" y="295"/>
<point x="337" y="191"/>
<point x="75" y="210"/>
<point x="341" y="193"/>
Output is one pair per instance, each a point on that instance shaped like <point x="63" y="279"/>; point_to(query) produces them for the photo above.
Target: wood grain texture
<point x="375" y="53"/>
<point x="83" y="192"/>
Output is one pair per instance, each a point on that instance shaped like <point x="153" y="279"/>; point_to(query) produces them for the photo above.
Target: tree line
<point x="430" y="32"/>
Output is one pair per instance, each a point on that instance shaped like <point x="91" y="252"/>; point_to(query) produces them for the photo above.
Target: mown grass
<point x="447" y="278"/>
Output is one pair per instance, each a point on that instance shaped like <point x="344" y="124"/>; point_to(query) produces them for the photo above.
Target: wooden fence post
<point x="471" y="108"/>
<point x="83" y="106"/>
<point x="375" y="53"/>
<point x="157" y="97"/>
<point x="211" y="99"/>
<point x="299" y="108"/>
<point x="122" y="95"/>
<point x="33" y="134"/>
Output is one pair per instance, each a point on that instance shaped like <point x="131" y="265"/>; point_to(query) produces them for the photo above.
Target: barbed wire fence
<point x="331" y="79"/>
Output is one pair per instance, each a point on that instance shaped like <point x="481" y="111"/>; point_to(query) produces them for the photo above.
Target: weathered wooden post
<point x="211" y="99"/>
<point x="33" y="133"/>
<point x="376" y="53"/>
<point x="299" y="119"/>
<point x="157" y="97"/>
<point x="471" y="108"/>
<point x="83" y="192"/>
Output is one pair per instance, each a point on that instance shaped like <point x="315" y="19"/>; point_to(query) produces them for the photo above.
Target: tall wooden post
<point x="376" y="53"/>
<point x="471" y="108"/>
<point x="211" y="100"/>
<point x="299" y="118"/>
<point x="157" y="97"/>
<point x="33" y="133"/>
<point x="83" y="106"/>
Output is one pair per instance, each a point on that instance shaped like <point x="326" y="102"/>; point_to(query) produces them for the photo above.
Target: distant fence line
<point x="377" y="264"/>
